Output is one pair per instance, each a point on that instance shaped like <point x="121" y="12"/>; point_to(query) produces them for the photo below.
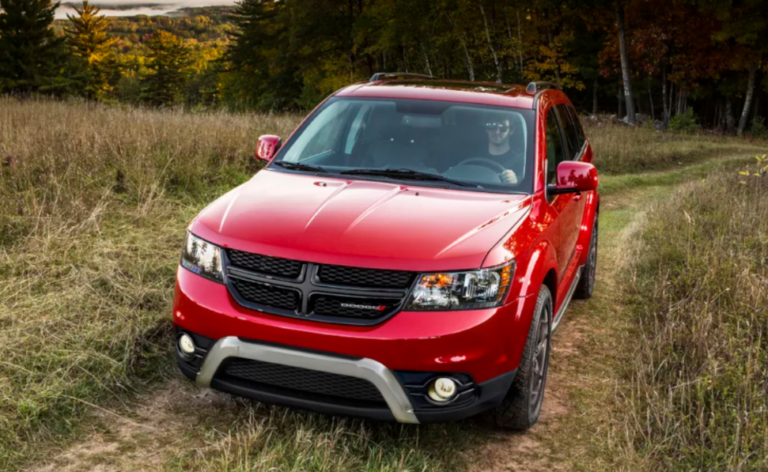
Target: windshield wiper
<point x="408" y="174"/>
<point x="300" y="166"/>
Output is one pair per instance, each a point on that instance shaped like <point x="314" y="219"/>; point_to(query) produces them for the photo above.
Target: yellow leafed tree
<point x="92" y="47"/>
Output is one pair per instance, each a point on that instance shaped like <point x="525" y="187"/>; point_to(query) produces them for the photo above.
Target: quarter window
<point x="555" y="151"/>
<point x="569" y="131"/>
<point x="577" y="129"/>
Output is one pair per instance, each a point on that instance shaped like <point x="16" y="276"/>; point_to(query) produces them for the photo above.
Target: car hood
<point x="360" y="223"/>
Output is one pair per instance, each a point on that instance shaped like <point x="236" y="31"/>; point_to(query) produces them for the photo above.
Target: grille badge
<point x="364" y="307"/>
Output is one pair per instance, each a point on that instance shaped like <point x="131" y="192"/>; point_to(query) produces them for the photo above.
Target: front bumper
<point x="397" y="356"/>
<point x="367" y="369"/>
<point x="399" y="405"/>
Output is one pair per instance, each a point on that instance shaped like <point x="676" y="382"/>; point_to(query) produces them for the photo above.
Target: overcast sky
<point x="143" y="7"/>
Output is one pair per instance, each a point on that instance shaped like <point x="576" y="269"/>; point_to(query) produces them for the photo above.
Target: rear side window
<point x="577" y="129"/>
<point x="555" y="151"/>
<point x="571" y="140"/>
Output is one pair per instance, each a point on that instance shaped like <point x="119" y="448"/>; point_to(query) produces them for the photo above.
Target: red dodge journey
<point x="405" y="255"/>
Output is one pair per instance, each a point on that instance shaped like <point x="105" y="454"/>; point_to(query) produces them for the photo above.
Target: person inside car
<point x="501" y="133"/>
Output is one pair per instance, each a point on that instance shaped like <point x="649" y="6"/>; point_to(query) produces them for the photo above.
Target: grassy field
<point x="93" y="202"/>
<point x="699" y="297"/>
<point x="623" y="150"/>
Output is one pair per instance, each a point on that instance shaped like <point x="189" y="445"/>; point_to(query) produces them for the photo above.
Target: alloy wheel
<point x="592" y="259"/>
<point x="540" y="361"/>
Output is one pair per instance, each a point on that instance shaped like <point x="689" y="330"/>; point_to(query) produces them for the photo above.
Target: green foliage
<point x="261" y="57"/>
<point x="759" y="129"/>
<point x="169" y="62"/>
<point x="684" y="122"/>
<point x="31" y="56"/>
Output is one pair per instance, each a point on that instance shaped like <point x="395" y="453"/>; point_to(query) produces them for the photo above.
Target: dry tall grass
<point x="620" y="149"/>
<point x="93" y="202"/>
<point x="699" y="374"/>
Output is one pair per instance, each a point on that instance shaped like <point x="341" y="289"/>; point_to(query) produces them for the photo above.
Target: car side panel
<point x="531" y="245"/>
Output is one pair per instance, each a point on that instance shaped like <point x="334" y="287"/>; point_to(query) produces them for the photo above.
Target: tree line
<point x="678" y="61"/>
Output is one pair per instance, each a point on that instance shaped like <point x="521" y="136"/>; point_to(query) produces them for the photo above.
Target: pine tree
<point x="169" y="61"/>
<point x="91" y="47"/>
<point x="264" y="70"/>
<point x="31" y="56"/>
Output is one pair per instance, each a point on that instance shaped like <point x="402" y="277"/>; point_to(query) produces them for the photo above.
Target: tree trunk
<point x="490" y="45"/>
<point x="665" y="105"/>
<point x="625" y="74"/>
<point x="747" y="100"/>
<point x="520" y="41"/>
<point x="621" y="102"/>
<point x="426" y="60"/>
<point x="594" y="97"/>
<point x="650" y="98"/>
<point x="512" y="43"/>
<point x="551" y="40"/>
<point x="470" y="68"/>
<point x="729" y="123"/>
<point x="671" y="99"/>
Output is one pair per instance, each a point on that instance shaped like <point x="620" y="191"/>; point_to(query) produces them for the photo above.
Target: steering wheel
<point x="485" y="162"/>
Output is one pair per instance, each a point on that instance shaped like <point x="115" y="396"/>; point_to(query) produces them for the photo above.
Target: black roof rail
<point x="534" y="87"/>
<point x="395" y="75"/>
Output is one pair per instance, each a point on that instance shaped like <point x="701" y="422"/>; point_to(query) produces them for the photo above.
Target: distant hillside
<point x="203" y="24"/>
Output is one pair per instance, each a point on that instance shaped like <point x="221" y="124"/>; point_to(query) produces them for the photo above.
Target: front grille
<point x="357" y="277"/>
<point x="265" y="264"/>
<point x="267" y="295"/>
<point x="303" y="380"/>
<point x="310" y="291"/>
<point x="351" y="307"/>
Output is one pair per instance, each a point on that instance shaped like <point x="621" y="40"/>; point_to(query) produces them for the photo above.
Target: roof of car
<point x="483" y="93"/>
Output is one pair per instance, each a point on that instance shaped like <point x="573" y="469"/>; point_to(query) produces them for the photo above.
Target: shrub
<point x="684" y="122"/>
<point x="759" y="129"/>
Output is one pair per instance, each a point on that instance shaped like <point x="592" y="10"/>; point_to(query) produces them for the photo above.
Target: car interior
<point x="448" y="139"/>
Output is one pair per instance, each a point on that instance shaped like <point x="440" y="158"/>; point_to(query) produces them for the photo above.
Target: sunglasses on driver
<point x="502" y="127"/>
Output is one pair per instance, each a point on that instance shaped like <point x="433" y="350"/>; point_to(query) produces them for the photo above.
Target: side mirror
<point x="267" y="147"/>
<point x="574" y="177"/>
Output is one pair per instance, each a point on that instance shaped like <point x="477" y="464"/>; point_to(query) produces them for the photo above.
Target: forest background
<point x="683" y="64"/>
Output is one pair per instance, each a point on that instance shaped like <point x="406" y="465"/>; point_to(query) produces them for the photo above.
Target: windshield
<point x="490" y="148"/>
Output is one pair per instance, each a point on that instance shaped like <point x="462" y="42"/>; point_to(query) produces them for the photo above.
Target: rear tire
<point x="521" y="407"/>
<point x="586" y="286"/>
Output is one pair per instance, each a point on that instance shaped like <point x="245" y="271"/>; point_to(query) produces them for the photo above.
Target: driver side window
<point x="555" y="151"/>
<point x="322" y="133"/>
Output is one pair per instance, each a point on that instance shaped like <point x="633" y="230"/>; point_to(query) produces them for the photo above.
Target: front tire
<point x="521" y="407"/>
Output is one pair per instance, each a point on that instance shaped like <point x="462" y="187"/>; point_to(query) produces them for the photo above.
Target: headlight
<point x="202" y="258"/>
<point x="483" y="288"/>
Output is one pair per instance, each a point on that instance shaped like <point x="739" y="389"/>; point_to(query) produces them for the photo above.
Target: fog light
<point x="442" y="390"/>
<point x="186" y="345"/>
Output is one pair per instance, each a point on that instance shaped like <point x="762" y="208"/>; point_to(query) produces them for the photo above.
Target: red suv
<point x="406" y="255"/>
